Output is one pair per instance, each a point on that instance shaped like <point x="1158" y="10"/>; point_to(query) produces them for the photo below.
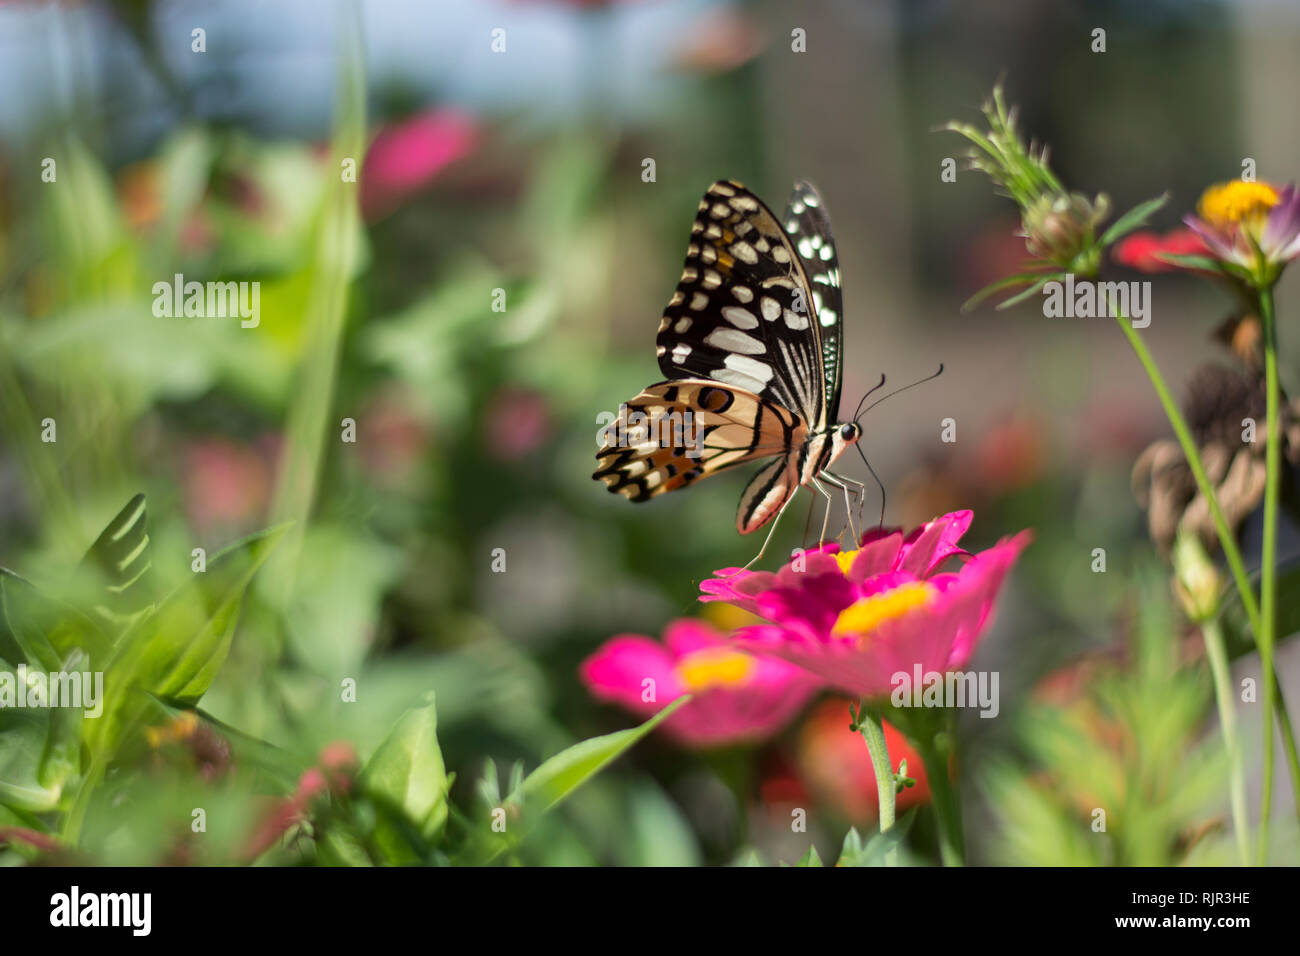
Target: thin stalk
<point x="1227" y="542"/>
<point x="1184" y="435"/>
<point x="873" y="732"/>
<point x="1268" y="559"/>
<point x="934" y="754"/>
<point x="1212" y="634"/>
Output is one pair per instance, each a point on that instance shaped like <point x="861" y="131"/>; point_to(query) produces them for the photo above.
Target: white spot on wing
<point x="744" y="252"/>
<point x="741" y="318"/>
<point x="739" y="379"/>
<point x="748" y="366"/>
<point x="733" y="340"/>
<point x="771" y="308"/>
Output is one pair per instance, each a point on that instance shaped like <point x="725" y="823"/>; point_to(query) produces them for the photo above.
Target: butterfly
<point x="750" y="347"/>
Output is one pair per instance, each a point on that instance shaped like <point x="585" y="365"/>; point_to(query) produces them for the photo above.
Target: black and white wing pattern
<point x="750" y="345"/>
<point x="744" y="312"/>
<point x="809" y="228"/>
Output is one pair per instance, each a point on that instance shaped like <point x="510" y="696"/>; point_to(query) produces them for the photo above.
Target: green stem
<point x="872" y="728"/>
<point x="1224" y="698"/>
<point x="935" y="751"/>
<point x="1227" y="541"/>
<point x="1268" y="559"/>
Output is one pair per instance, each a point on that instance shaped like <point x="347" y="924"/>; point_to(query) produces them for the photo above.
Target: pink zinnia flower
<point x="736" y="696"/>
<point x="406" y="156"/>
<point x="856" y="619"/>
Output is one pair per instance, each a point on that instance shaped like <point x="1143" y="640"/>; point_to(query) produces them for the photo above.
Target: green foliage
<point x="1124" y="756"/>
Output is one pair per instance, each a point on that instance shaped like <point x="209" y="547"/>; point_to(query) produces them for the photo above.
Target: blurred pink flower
<point x="404" y="157"/>
<point x="396" y="438"/>
<point x="516" y="424"/>
<point x="857" y="618"/>
<point x="224" y="483"/>
<point x="736" y="696"/>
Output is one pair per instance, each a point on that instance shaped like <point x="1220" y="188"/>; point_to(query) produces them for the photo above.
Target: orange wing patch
<point x="675" y="433"/>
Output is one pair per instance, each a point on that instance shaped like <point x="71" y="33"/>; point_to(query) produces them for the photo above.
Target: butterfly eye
<point x="849" y="432"/>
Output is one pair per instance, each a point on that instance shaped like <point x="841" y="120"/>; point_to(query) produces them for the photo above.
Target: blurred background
<point x="517" y="177"/>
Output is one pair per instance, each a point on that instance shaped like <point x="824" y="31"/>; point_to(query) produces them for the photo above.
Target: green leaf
<point x="1204" y="263"/>
<point x="1020" y="278"/>
<point x="45" y="628"/>
<point x="121" y="556"/>
<point x="176" y="651"/>
<point x="810" y="858"/>
<point x="872" y="852"/>
<point x="40" y="751"/>
<point x="408" y="781"/>
<point x="1006" y="304"/>
<point x="1133" y="219"/>
<point x="558" y="777"/>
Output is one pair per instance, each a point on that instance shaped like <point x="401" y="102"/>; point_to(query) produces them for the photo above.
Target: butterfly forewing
<point x="743" y="312"/>
<point x="808" y="225"/>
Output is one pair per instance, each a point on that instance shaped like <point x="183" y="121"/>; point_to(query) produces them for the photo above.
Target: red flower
<point x="836" y="763"/>
<point x="1142" y="250"/>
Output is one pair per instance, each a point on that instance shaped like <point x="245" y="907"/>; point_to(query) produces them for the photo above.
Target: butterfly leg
<point x="827" y="519"/>
<point x="859" y="490"/>
<point x="768" y="539"/>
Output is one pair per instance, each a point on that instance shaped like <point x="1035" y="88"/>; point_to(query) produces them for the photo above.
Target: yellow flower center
<point x="845" y="559"/>
<point x="714" y="667"/>
<point x="1228" y="204"/>
<point x="866" y="615"/>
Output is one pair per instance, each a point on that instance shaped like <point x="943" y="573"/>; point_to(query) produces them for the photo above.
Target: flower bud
<point x="1060" y="228"/>
<point x="1197" y="582"/>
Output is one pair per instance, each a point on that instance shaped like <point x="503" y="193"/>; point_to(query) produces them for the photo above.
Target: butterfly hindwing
<point x="743" y="312"/>
<point x="674" y="433"/>
<point x="767" y="492"/>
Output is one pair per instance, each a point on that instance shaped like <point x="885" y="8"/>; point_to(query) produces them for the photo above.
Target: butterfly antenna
<point x="879" y="484"/>
<point x="868" y="395"/>
<point x="919" y="381"/>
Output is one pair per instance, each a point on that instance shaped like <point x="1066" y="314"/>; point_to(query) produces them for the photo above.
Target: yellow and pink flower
<point x="1251" y="228"/>
<point x="857" y="618"/>
<point x="736" y="696"/>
